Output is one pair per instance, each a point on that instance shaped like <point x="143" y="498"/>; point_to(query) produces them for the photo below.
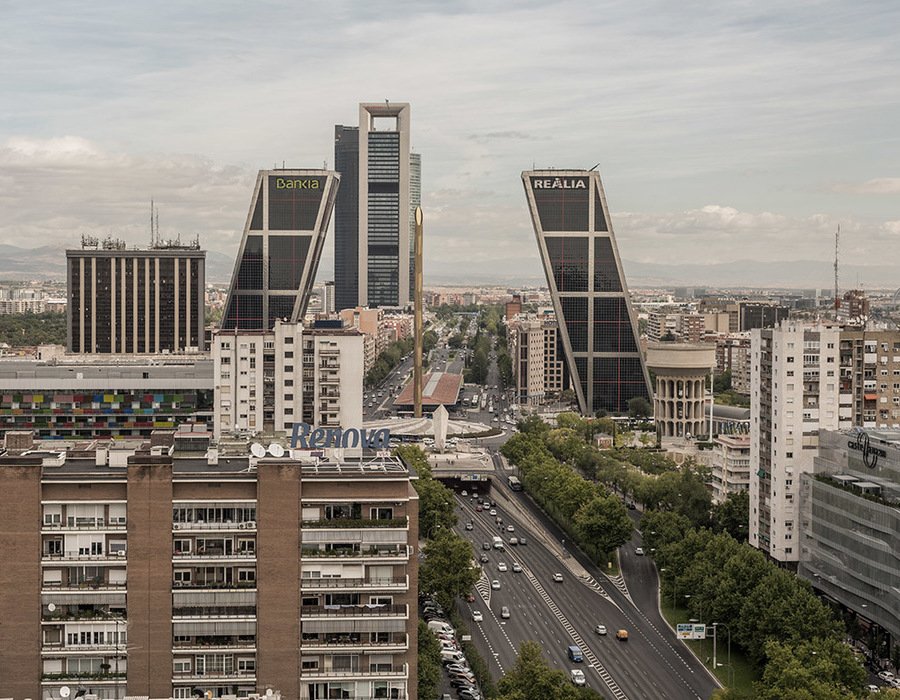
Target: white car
<point x="493" y="511"/>
<point x="502" y="566"/>
<point x="557" y="577"/>
<point x="577" y="676"/>
<point x="639" y="551"/>
<point x="510" y="528"/>
<point x="600" y="629"/>
<point x="517" y="568"/>
<point x="495" y="584"/>
<point x="477" y="616"/>
<point x="504" y="612"/>
<point x="886" y="676"/>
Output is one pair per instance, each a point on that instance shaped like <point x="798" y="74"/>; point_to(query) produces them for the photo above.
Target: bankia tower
<point x="597" y="325"/>
<point x="281" y="247"/>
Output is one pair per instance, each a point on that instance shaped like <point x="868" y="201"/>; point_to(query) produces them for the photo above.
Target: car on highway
<point x="470" y="597"/>
<point x="470" y="526"/>
<point x="502" y="566"/>
<point x="557" y="577"/>
<point x="495" y="584"/>
<point x="479" y="508"/>
<point x="486" y="545"/>
<point x="522" y="541"/>
<point x="622" y="635"/>
<point x="577" y="676"/>
<point x="639" y="551"/>
<point x="513" y="541"/>
<point x="477" y="616"/>
<point x="510" y="528"/>
<point x="493" y="512"/>
<point x="574" y="653"/>
<point x="504" y="612"/>
<point x="485" y="558"/>
<point x="600" y="629"/>
<point x="517" y="568"/>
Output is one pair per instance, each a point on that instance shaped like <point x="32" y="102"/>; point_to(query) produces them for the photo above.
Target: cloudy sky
<point x="724" y="130"/>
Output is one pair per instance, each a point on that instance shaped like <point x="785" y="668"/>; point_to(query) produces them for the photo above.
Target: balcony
<point x="215" y="585"/>
<point x="87" y="675"/>
<point x="84" y="525"/>
<point x="312" y="584"/>
<point x="224" y="525"/>
<point x="219" y="675"/>
<point x="208" y="555"/>
<point x="77" y="555"/>
<point x="355" y="553"/>
<point x="82" y="586"/>
<point x="355" y="523"/>
<point x="310" y="612"/>
<point x="354" y="644"/>
<point x="387" y="672"/>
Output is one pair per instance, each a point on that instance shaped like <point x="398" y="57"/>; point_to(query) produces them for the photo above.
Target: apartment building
<point x="268" y="380"/>
<point x="729" y="465"/>
<point x="733" y="355"/>
<point x="177" y="568"/>
<point x="870" y="378"/>
<point x="794" y="383"/>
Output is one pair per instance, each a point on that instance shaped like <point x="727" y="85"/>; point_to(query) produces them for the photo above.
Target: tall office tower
<point x="156" y="568"/>
<point x="794" y="384"/>
<point x="346" y="218"/>
<point x="597" y="324"/>
<point x="415" y="200"/>
<point x="281" y="247"/>
<point x="373" y="227"/>
<point x="135" y="301"/>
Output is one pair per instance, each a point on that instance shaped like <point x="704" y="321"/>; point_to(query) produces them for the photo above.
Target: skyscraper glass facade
<point x="281" y="247"/>
<point x="598" y="327"/>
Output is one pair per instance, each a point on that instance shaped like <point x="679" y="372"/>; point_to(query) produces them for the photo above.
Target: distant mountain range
<point x="49" y="263"/>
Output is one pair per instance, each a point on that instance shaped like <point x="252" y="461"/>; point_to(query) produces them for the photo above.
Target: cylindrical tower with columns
<point x="680" y="387"/>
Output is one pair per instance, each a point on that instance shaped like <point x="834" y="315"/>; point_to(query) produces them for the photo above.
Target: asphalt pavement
<point x="651" y="664"/>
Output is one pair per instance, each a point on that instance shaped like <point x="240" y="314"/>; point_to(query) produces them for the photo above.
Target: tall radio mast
<point x="837" y="238"/>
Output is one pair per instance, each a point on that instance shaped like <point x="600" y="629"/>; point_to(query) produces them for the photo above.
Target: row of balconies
<point x="328" y="611"/>
<point x="311" y="584"/>
<point x="357" y="551"/>
<point x="373" y="671"/>
<point x="401" y="522"/>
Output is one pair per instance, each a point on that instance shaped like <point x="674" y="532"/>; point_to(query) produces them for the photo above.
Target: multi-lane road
<point x="651" y="664"/>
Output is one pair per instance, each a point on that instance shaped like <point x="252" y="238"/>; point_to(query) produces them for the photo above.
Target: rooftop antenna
<point x="594" y="168"/>
<point x="157" y="225"/>
<point x="151" y="222"/>
<point x="837" y="238"/>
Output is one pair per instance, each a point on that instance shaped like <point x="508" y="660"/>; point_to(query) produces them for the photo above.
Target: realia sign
<point x="559" y="183"/>
<point x="305" y="437"/>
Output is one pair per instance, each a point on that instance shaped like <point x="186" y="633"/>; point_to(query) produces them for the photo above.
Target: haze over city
<point x="723" y="132"/>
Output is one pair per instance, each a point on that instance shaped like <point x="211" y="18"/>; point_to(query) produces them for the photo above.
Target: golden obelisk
<point x="418" y="328"/>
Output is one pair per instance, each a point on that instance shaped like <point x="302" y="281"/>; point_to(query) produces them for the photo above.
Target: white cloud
<point x="878" y="185"/>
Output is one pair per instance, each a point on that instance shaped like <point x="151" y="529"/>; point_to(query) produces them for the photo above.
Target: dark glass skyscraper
<point x="597" y="325"/>
<point x="373" y="246"/>
<point x="280" y="251"/>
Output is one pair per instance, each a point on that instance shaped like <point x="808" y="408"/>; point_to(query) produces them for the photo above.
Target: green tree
<point x="603" y="523"/>
<point x="429" y="668"/>
<point x="23" y="330"/>
<point x="662" y="528"/>
<point x="531" y="678"/>
<point x="639" y="407"/>
<point x="733" y="515"/>
<point x="447" y="570"/>
<point x="436" y="512"/>
<point x="813" y="669"/>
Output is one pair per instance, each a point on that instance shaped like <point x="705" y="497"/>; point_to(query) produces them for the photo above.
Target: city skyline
<point x="713" y="127"/>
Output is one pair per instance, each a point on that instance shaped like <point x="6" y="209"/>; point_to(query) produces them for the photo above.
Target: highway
<point x="651" y="664"/>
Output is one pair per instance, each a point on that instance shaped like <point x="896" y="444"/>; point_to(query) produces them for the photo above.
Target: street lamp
<point x="715" y="626"/>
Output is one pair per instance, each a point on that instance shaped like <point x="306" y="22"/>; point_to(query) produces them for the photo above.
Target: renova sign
<point x="559" y="183"/>
<point x="870" y="455"/>
<point x="283" y="183"/>
<point x="305" y="437"/>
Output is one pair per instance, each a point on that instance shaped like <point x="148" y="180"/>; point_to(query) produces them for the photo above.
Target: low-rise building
<point x="729" y="465"/>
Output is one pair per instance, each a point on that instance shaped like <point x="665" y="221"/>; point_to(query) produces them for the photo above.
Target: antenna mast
<point x="837" y="239"/>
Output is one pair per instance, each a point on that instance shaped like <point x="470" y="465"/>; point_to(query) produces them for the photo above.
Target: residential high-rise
<point x="268" y="380"/>
<point x="180" y="566"/>
<point x="125" y="300"/>
<point x="794" y="385"/>
<point x="597" y="324"/>
<point x="279" y="253"/>
<point x="870" y="378"/>
<point x="375" y="210"/>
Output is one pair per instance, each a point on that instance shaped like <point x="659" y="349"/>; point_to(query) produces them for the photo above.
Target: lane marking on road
<point x="614" y="688"/>
<point x="619" y="582"/>
<point x="591" y="583"/>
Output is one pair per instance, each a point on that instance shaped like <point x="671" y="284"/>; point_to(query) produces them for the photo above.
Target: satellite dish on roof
<point x="276" y="450"/>
<point x="65" y="691"/>
<point x="257" y="450"/>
